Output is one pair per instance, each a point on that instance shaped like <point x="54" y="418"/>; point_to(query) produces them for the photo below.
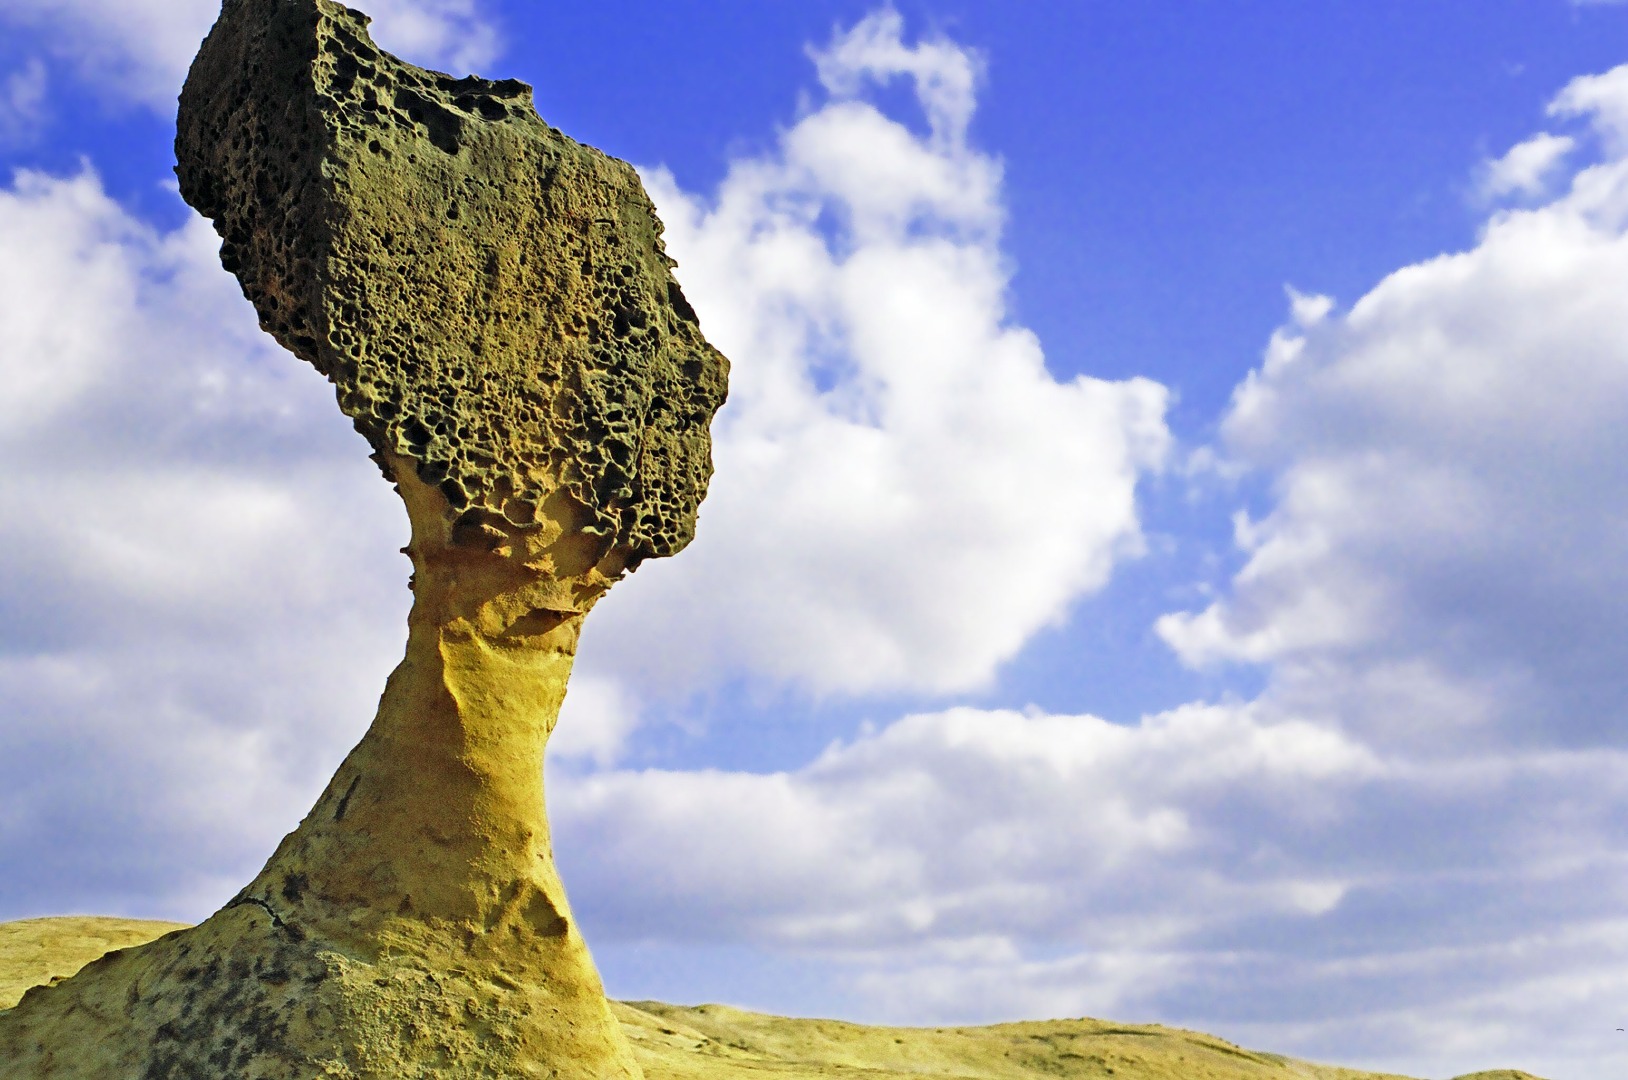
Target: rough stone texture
<point x="715" y="1042"/>
<point x="490" y="298"/>
<point x="493" y="305"/>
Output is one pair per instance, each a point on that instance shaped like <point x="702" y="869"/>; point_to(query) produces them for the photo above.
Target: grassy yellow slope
<point x="715" y="1042"/>
<point x="40" y="952"/>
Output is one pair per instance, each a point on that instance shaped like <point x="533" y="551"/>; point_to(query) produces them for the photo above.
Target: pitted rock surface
<point x="490" y="298"/>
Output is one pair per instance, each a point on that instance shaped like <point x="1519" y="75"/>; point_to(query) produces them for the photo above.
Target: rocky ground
<point x="715" y="1042"/>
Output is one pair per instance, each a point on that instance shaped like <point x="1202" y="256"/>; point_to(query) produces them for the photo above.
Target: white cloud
<point x="595" y="721"/>
<point x="140" y="50"/>
<point x="1217" y="866"/>
<point x="904" y="493"/>
<point x="1406" y="853"/>
<point x="945" y="74"/>
<point x="1440" y="576"/>
<point x="944" y="829"/>
<point x="1447" y="520"/>
<point x="454" y="34"/>
<point x="200" y="604"/>
<point x="1527" y="167"/>
<point x="1603" y="100"/>
<point x="22" y="101"/>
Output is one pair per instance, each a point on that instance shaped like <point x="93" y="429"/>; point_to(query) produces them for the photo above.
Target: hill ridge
<point x="723" y="1042"/>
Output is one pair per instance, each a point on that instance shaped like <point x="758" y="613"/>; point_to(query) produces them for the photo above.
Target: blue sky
<point x="1165" y="560"/>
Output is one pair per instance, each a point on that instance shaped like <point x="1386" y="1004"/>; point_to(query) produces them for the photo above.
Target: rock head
<point x="492" y="303"/>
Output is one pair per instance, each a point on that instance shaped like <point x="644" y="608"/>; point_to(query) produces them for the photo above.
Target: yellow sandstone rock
<point x="494" y="307"/>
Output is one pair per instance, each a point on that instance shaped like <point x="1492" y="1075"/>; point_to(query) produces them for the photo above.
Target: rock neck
<point x="437" y="816"/>
<point x="413" y="925"/>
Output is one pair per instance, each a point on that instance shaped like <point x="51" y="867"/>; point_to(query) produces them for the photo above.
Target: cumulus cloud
<point x="1221" y="866"/>
<point x="1447" y="525"/>
<point x="966" y="825"/>
<point x="1439" y="575"/>
<point x="199" y="605"/>
<point x="904" y="493"/>
<point x="139" y="50"/>
<point x="1406" y="853"/>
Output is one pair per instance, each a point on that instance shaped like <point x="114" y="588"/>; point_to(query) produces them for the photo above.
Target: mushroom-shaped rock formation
<point x="494" y="307"/>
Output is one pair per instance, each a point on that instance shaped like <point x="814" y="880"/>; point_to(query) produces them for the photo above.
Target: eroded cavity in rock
<point x="490" y="298"/>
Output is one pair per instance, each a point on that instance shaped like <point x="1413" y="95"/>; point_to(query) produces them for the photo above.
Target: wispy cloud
<point x="23" y="107"/>
<point x="139" y="50"/>
<point x="1527" y="167"/>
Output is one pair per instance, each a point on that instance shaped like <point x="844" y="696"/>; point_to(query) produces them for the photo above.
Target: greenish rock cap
<point x="490" y="298"/>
